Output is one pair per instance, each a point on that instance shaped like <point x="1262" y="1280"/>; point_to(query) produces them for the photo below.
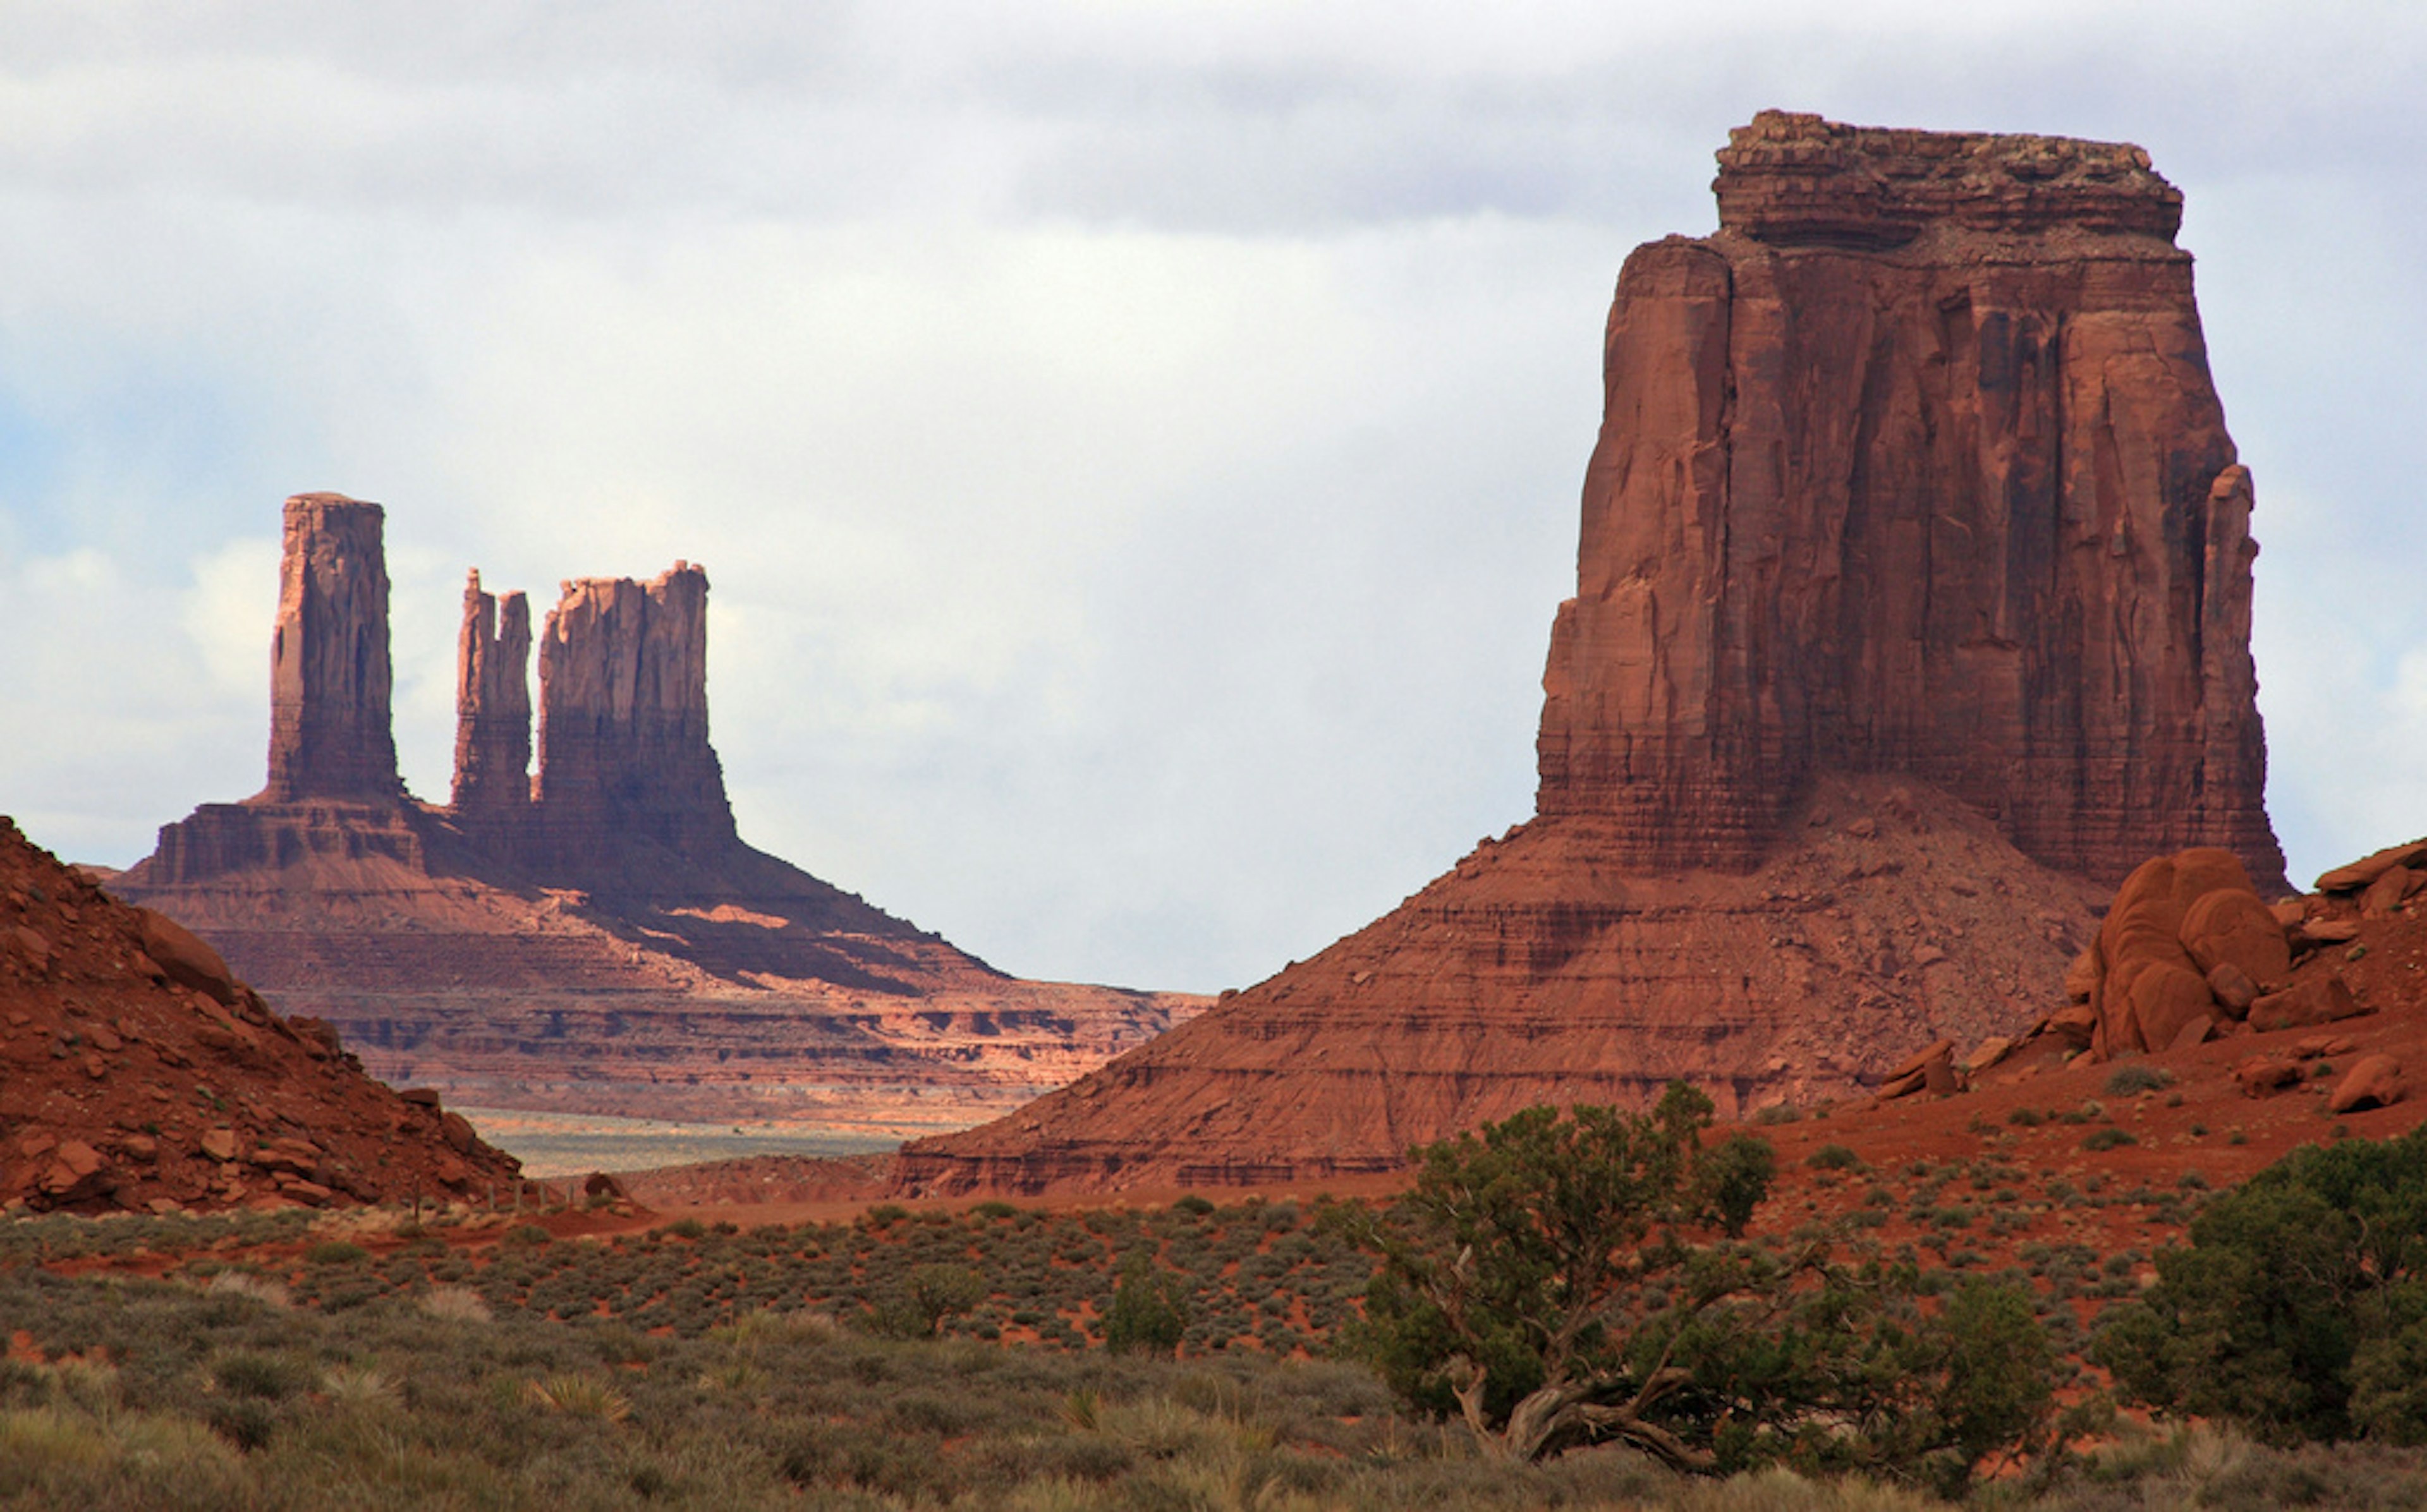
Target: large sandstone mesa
<point x="1914" y="466"/>
<point x="1912" y="612"/>
<point x="595" y="938"/>
<point x="143" y="1075"/>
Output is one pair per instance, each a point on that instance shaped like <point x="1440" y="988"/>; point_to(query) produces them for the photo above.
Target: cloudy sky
<point x="1134" y="445"/>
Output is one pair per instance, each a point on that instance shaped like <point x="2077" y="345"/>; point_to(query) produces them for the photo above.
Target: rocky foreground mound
<point x="590" y="935"/>
<point x="1913" y="613"/>
<point x="136" y="1072"/>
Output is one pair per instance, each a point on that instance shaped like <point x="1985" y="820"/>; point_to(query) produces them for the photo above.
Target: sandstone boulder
<point x="2383" y="895"/>
<point x="2358" y="874"/>
<point x="2165" y="999"/>
<point x="2264" y="1073"/>
<point x="2197" y="1032"/>
<point x="2081" y="977"/>
<point x="2187" y="940"/>
<point x="2232" y="988"/>
<point x="2318" y="1000"/>
<point x="185" y="958"/>
<point x="2373" y="1081"/>
<point x="2229" y="925"/>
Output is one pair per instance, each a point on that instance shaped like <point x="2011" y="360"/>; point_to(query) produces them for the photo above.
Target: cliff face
<point x="1914" y="466"/>
<point x="1912" y="612"/>
<point x="622" y="740"/>
<point x="328" y="732"/>
<point x="599" y="940"/>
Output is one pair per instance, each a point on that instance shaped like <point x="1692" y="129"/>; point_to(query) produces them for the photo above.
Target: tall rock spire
<point x="1914" y="468"/>
<point x="329" y="682"/>
<point x="622" y="740"/>
<point x="493" y="709"/>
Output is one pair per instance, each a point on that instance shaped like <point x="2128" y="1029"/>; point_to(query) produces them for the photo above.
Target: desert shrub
<point x="1776" y="1113"/>
<point x="335" y="1252"/>
<point x="575" y="1394"/>
<point x="2137" y="1076"/>
<point x="264" y="1377"/>
<point x="2109" y="1138"/>
<point x="1834" y="1157"/>
<point x="1149" y="1311"/>
<point x="2299" y="1310"/>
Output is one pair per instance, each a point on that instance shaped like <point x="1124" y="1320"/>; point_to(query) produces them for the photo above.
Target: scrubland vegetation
<point x="1250" y="1355"/>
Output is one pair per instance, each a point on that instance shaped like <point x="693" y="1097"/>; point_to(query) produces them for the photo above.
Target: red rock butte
<point x="591" y="934"/>
<point x="1912" y="612"/>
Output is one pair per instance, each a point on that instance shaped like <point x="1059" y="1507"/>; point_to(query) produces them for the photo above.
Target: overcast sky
<point x="1135" y="447"/>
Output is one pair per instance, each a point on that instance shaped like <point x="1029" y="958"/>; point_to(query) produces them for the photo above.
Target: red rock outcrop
<point x="2187" y="942"/>
<point x="1913" y="613"/>
<point x="1914" y="466"/>
<point x="329" y="731"/>
<point x="609" y="945"/>
<point x="493" y="710"/>
<point x="623" y="735"/>
<point x="142" y="1074"/>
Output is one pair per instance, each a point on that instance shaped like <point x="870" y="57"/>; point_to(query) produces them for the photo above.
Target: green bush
<point x="2299" y="1310"/>
<point x="1149" y="1311"/>
<point x="2136" y="1077"/>
<point x="2107" y="1138"/>
<point x="1834" y="1157"/>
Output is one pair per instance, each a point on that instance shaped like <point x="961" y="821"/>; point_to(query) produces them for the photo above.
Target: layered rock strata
<point x="1912" y="529"/>
<point x="1914" y="466"/>
<point x="595" y="938"/>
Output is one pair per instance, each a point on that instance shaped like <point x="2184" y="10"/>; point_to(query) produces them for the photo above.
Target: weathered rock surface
<point x="1911" y="480"/>
<point x="1914" y="466"/>
<point x="609" y="945"/>
<point x="493" y="712"/>
<point x="2187" y="941"/>
<point x="623" y="735"/>
<point x="329" y="731"/>
<point x="2373" y="1081"/>
<point x="141" y="1074"/>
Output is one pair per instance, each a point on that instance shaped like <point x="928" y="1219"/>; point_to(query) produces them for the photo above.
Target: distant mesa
<point x="1913" y="613"/>
<point x="585" y="930"/>
<point x="625" y="766"/>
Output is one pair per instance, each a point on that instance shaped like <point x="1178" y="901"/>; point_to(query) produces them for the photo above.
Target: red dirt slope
<point x="137" y="1073"/>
